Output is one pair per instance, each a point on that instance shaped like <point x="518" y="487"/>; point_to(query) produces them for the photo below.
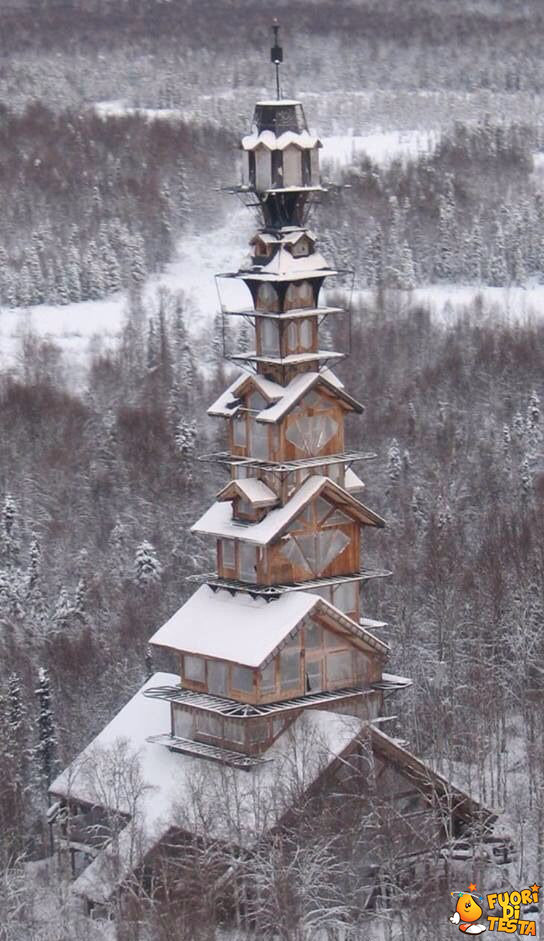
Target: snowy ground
<point x="94" y="326"/>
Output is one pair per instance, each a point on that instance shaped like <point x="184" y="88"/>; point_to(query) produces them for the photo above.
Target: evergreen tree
<point x="394" y="461"/>
<point x="147" y="568"/>
<point x="46" y="748"/>
<point x="185" y="439"/>
<point x="407" y="277"/>
<point x="34" y="567"/>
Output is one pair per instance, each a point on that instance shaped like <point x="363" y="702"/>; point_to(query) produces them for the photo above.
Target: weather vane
<point x="276" y="56"/>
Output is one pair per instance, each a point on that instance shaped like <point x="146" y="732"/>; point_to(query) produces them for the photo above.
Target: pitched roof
<point x="251" y="489"/>
<point x="281" y="398"/>
<point x="218" y="521"/>
<point x="171" y="780"/>
<point x="241" y="629"/>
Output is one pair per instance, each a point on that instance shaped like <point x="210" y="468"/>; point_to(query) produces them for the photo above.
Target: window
<point x="268" y="677"/>
<point x="289" y="669"/>
<point x="242" y="679"/>
<point x="248" y="562"/>
<point x="217" y="677"/>
<point x="315" y="551"/>
<point x="267" y="298"/>
<point x="299" y="295"/>
<point x="239" y="432"/>
<point x="313" y="636"/>
<point x="314" y="675"/>
<point x="311" y="433"/>
<point x="306" y="334"/>
<point x="306" y="168"/>
<point x="339" y="667"/>
<point x="207" y="723"/>
<point x="233" y="730"/>
<point x="277" y="168"/>
<point x="270" y="338"/>
<point x="228" y="551"/>
<point x="194" y="668"/>
<point x="259" y="441"/>
<point x="331" y="639"/>
<point x="251" y="168"/>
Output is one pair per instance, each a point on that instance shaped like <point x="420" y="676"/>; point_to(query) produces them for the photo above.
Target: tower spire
<point x="276" y="56"/>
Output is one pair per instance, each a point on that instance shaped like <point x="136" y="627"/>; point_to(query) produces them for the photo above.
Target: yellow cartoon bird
<point x="467" y="912"/>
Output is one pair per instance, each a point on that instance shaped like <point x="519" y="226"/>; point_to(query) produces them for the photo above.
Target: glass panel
<point x="239" y="432"/>
<point x="244" y="507"/>
<point x="256" y="402"/>
<point x="259" y="441"/>
<point x="339" y="669"/>
<point x="313" y="636"/>
<point x="289" y="669"/>
<point x="339" y="517"/>
<point x="242" y="679"/>
<point x="291" y="551"/>
<point x="320" y="549"/>
<point x="324" y="592"/>
<point x="207" y="723"/>
<point x="323" y="508"/>
<point x="312" y="399"/>
<point x="248" y="562"/>
<point x="228" y="548"/>
<point x="217" y="677"/>
<point x="233" y="730"/>
<point x="332" y="640"/>
<point x="314" y="675"/>
<point x="292" y="338"/>
<point x="268" y="677"/>
<point x="306" y="334"/>
<point x="360" y="666"/>
<point x="194" y="669"/>
<point x="345" y="596"/>
<point x="270" y="338"/>
<point x="306" y="294"/>
<point x="310" y="434"/>
<point x="267" y="298"/>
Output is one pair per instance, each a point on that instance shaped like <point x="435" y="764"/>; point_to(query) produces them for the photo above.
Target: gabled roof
<point x="285" y="265"/>
<point x="283" y="237"/>
<point x="218" y="521"/>
<point x="170" y="780"/>
<point x="353" y="482"/>
<point x="282" y="398"/>
<point x="249" y="631"/>
<point x="459" y="802"/>
<point x="251" y="489"/>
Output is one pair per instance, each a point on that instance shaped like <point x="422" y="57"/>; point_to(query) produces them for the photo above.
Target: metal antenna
<point x="276" y="56"/>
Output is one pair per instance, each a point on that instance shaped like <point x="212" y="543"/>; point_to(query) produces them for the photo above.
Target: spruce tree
<point x="147" y="568"/>
<point x="46" y="748"/>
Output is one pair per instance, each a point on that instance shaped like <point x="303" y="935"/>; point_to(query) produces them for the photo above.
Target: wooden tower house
<point x="279" y="631"/>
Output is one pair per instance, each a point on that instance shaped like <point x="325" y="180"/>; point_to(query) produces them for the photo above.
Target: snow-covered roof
<point x="234" y="627"/>
<point x="284" y="397"/>
<point x="218" y="520"/>
<point x="272" y="391"/>
<point x="251" y="489"/>
<point x="173" y="784"/>
<point x="283" y="236"/>
<point x="352" y="481"/>
<point x="284" y="264"/>
<point x="241" y="629"/>
<point x="268" y="139"/>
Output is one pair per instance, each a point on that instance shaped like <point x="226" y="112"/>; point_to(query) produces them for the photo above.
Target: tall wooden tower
<point x="275" y="642"/>
<point x="278" y="628"/>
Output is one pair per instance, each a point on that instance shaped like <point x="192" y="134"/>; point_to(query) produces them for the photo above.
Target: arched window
<point x="267" y="298"/>
<point x="299" y="295"/>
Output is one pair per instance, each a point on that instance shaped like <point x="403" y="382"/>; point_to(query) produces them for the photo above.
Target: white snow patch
<point x="381" y="147"/>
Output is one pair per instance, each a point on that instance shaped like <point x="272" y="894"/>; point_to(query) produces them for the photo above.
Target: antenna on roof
<point x="276" y="56"/>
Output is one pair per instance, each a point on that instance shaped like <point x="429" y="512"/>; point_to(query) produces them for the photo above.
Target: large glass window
<point x="311" y="433"/>
<point x="239" y="432"/>
<point x="306" y="334"/>
<point x="270" y="338"/>
<point x="314" y="675"/>
<point x="345" y="596"/>
<point x="242" y="679"/>
<point x="289" y="669"/>
<point x="313" y="636"/>
<point x="194" y="669"/>
<point x="267" y="298"/>
<point x="315" y="551"/>
<point x="259" y="441"/>
<point x="217" y="677"/>
<point x="228" y="551"/>
<point x="339" y="669"/>
<point x="268" y="677"/>
<point x="233" y="730"/>
<point x="248" y="562"/>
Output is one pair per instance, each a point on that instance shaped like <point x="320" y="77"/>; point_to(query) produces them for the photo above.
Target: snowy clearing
<point x="381" y="147"/>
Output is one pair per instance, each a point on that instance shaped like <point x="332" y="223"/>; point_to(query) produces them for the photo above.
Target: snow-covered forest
<point x="119" y="124"/>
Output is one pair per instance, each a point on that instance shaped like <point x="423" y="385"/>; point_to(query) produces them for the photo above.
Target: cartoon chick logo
<point x="468" y="911"/>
